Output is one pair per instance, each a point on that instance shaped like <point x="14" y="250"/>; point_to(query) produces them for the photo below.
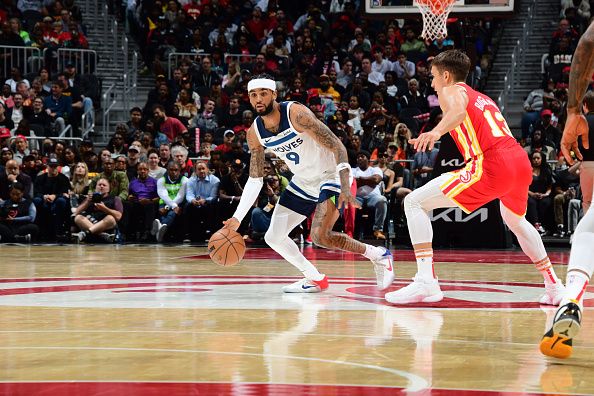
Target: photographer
<point x="98" y="213"/>
<point x="17" y="215"/>
<point x="262" y="214"/>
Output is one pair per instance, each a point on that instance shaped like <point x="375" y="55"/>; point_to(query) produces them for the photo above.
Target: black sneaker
<point x="558" y="341"/>
<point x="23" y="238"/>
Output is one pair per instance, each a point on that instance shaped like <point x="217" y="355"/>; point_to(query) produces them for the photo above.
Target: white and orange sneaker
<point x="553" y="294"/>
<point x="419" y="291"/>
<point x="307" y="286"/>
<point x="384" y="270"/>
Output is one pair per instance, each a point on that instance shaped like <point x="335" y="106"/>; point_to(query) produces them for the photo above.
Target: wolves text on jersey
<point x="289" y="146"/>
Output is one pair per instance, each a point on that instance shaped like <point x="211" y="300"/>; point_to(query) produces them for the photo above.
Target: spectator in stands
<point x="134" y="124"/>
<point x="231" y="189"/>
<point x="171" y="127"/>
<point x="413" y="99"/>
<point x="358" y="91"/>
<point x="228" y="138"/>
<point x="179" y="154"/>
<point x="207" y="120"/>
<point x="21" y="148"/>
<point x="403" y="67"/>
<point x="58" y="106"/>
<point x="369" y="191"/>
<point x="117" y="144"/>
<point x="326" y="91"/>
<point x="412" y="44"/>
<point x="39" y="119"/>
<point x="566" y="181"/>
<point x="171" y="189"/>
<point x="372" y="76"/>
<point x="422" y="166"/>
<point x="118" y="180"/>
<point x="17" y="112"/>
<point x="202" y="193"/>
<point x="17" y="216"/>
<point x="98" y="214"/>
<point x="560" y="57"/>
<point x="232" y="116"/>
<point x="539" y="200"/>
<point x="142" y="203"/>
<point x="12" y="174"/>
<point x="267" y="200"/>
<point x="70" y="157"/>
<point x="533" y="105"/>
<point x="5" y="118"/>
<point x="186" y="109"/>
<point x="345" y="76"/>
<point x="15" y="77"/>
<point x="164" y="155"/>
<point x="539" y="144"/>
<point x="79" y="185"/>
<point x="121" y="163"/>
<point x="52" y="200"/>
<point x="155" y="170"/>
<point x="204" y="79"/>
<point x="133" y="160"/>
<point x="10" y="38"/>
<point x="550" y="133"/>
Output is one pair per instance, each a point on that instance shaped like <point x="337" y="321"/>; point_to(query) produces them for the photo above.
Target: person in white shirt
<point x="369" y="191"/>
<point x="380" y="64"/>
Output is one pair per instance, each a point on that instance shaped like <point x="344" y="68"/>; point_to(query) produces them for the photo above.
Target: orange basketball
<point x="226" y="247"/>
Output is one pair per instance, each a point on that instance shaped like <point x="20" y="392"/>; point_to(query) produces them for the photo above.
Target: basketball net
<point x="435" y="14"/>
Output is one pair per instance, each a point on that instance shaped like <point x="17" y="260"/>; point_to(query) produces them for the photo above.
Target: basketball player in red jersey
<point x="558" y="340"/>
<point x="496" y="167"/>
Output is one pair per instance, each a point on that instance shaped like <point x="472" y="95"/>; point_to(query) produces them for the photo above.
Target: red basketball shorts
<point x="504" y="174"/>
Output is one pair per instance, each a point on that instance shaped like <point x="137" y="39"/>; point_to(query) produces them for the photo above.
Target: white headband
<point x="261" y="83"/>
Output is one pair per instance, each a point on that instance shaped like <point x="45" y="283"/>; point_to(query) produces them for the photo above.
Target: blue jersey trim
<point x="281" y="140"/>
<point x="330" y="185"/>
<point x="300" y="191"/>
<point x="282" y="126"/>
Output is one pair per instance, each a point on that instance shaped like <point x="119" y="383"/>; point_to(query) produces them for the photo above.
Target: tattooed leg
<point x="321" y="230"/>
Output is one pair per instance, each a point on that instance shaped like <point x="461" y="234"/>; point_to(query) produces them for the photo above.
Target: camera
<point x="97" y="197"/>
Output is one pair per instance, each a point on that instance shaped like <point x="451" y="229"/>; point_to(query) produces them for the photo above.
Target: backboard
<point x="400" y="8"/>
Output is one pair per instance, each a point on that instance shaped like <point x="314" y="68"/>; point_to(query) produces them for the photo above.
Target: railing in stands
<point x="85" y="60"/>
<point x="108" y="95"/>
<point x="27" y="59"/>
<point x="130" y="75"/>
<point x="88" y="127"/>
<point x="174" y="58"/>
<point x="518" y="60"/>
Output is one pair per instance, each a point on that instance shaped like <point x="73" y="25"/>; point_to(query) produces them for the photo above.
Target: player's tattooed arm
<point x="582" y="67"/>
<point x="307" y="122"/>
<point x="256" y="154"/>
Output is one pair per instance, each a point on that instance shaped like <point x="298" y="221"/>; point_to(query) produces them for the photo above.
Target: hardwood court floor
<point x="158" y="320"/>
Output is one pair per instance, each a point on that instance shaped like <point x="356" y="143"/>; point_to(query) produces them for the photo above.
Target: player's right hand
<point x="575" y="126"/>
<point x="425" y="141"/>
<point x="231" y="223"/>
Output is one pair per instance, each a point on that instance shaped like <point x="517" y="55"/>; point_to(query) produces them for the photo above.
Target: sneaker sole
<point x="310" y="290"/>
<point x="429" y="299"/>
<point x="568" y="328"/>
<point x="555" y="345"/>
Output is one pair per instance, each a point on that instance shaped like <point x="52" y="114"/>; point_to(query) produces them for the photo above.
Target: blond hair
<point x="79" y="183"/>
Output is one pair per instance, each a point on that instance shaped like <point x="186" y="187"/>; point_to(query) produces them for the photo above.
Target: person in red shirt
<point x="228" y="138"/>
<point x="496" y="167"/>
<point x="169" y="126"/>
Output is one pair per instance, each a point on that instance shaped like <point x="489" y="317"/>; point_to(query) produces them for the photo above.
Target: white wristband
<point x="343" y="165"/>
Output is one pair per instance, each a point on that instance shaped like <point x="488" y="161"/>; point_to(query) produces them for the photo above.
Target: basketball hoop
<point x="435" y="14"/>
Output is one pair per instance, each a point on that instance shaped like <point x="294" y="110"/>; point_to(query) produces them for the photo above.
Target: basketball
<point x="226" y="247"/>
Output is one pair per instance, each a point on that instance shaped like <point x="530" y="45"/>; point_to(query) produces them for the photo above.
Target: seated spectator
<point x="39" y="119"/>
<point x="207" y="120"/>
<point x="98" y="214"/>
<point x="117" y="144"/>
<point x="121" y="164"/>
<point x="17" y="217"/>
<point x="422" y="166"/>
<point x="550" y="133"/>
<point x="202" y="192"/>
<point x="169" y="126"/>
<point x="21" y="148"/>
<point x="369" y="192"/>
<point x="186" y="109"/>
<point x="532" y="107"/>
<point x="230" y="190"/>
<point x="262" y="213"/>
<point x="52" y="200"/>
<point x="142" y="203"/>
<point x="566" y="180"/>
<point x="79" y="185"/>
<point x="171" y="189"/>
<point x="414" y="99"/>
<point x="403" y="67"/>
<point x="18" y="110"/>
<point x="16" y="76"/>
<point x="10" y="175"/>
<point x="155" y="170"/>
<point x="539" y="199"/>
<point x="59" y="107"/>
<point x="538" y="144"/>
<point x="180" y="155"/>
<point x="118" y="181"/>
<point x="228" y="138"/>
<point x="232" y="116"/>
<point x="5" y="118"/>
<point x="412" y="44"/>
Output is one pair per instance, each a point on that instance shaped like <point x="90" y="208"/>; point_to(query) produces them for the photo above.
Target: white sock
<point x="575" y="287"/>
<point x="545" y="268"/>
<point x="425" y="268"/>
<point x="373" y="252"/>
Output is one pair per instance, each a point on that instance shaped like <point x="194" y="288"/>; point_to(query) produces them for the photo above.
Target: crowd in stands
<point x="176" y="168"/>
<point x="555" y="195"/>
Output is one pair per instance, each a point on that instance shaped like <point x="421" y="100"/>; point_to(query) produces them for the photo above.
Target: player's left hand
<point x="575" y="126"/>
<point x="346" y="199"/>
<point x="425" y="141"/>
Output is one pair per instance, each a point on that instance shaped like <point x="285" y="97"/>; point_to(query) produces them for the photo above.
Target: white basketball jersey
<point x="310" y="162"/>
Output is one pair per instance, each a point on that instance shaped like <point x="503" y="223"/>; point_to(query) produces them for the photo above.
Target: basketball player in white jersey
<point x="558" y="340"/>
<point x="321" y="182"/>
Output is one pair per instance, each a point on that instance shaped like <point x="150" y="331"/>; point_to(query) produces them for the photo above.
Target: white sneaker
<point x="384" y="270"/>
<point x="161" y="232"/>
<point x="307" y="286"/>
<point x="155" y="227"/>
<point x="553" y="294"/>
<point x="421" y="290"/>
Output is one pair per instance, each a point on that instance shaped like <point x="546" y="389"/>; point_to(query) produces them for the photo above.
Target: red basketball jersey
<point x="484" y="127"/>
